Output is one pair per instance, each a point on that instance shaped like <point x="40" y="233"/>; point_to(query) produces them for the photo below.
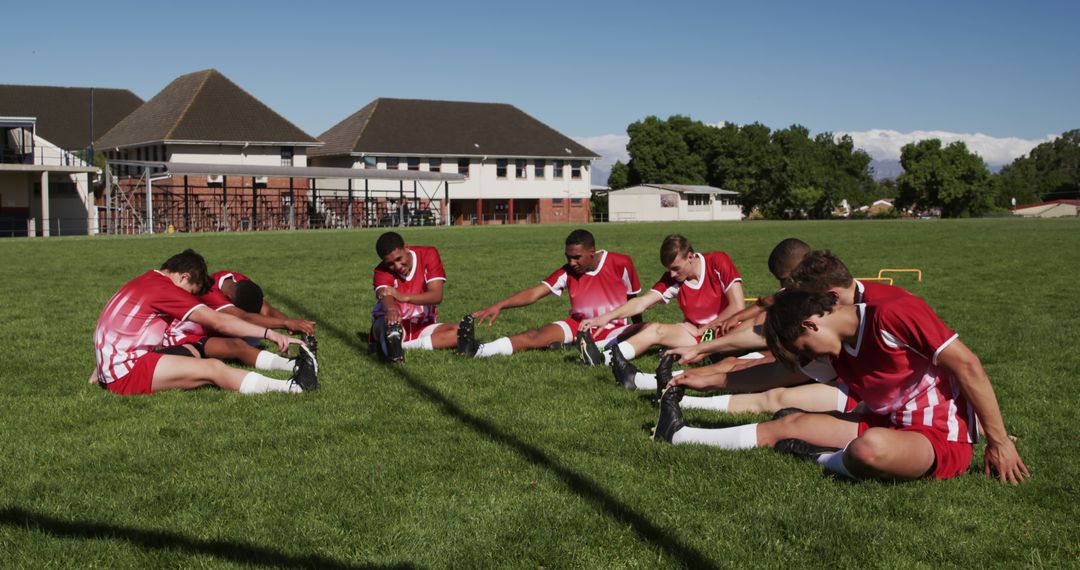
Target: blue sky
<point x="1009" y="71"/>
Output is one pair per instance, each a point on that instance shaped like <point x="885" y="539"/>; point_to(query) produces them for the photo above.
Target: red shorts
<point x="570" y="328"/>
<point x="951" y="458"/>
<point x="141" y="378"/>
<point x="416" y="331"/>
<point x="846" y="401"/>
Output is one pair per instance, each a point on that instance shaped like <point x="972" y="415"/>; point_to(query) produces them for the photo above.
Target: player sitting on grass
<point x="408" y="284"/>
<point x="598" y="281"/>
<point x="134" y="322"/>
<point x="924" y="391"/>
<point x="739" y="338"/>
<point x="709" y="290"/>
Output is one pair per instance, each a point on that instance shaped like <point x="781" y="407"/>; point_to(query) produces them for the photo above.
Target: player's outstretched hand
<point x="686" y="354"/>
<point x="689" y="380"/>
<point x="1003" y="458"/>
<point x="593" y="323"/>
<point x="491" y="313"/>
<point x="282" y="341"/>
<point x="300" y="326"/>
<point x="727" y="326"/>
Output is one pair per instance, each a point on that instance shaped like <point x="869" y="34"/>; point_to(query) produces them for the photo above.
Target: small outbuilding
<point x="673" y="202"/>
<point x="1053" y="209"/>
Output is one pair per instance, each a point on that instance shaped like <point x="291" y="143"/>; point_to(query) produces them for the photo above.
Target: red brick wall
<point x="565" y="213"/>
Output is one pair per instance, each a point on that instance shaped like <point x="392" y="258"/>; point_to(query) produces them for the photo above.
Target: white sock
<point x="627" y="350"/>
<point x="269" y="361"/>
<point x="834" y="463"/>
<point x="495" y="347"/>
<point x="738" y="437"/>
<point x="425" y="344"/>
<point x="714" y="403"/>
<point x="644" y="381"/>
<point x="255" y="383"/>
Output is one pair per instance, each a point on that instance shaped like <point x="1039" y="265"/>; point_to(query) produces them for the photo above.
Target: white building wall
<point x="644" y="204"/>
<point x="231" y="154"/>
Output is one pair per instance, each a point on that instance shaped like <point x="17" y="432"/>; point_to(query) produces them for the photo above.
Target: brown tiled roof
<point x="204" y="106"/>
<point x="414" y="126"/>
<point x="63" y="113"/>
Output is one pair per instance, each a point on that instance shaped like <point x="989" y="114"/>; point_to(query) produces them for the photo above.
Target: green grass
<point x="518" y="462"/>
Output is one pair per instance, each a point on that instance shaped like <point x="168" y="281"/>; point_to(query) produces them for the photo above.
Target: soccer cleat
<point x="784" y="412"/>
<point x="623" y="370"/>
<point x="671" y="418"/>
<point x="466" y="337"/>
<point x="306" y="374"/>
<point x="801" y="449"/>
<point x="663" y="374"/>
<point x="395" y="336"/>
<point x="587" y="349"/>
<point x="312" y="344"/>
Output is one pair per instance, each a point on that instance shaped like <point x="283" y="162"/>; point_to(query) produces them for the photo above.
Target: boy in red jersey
<point x="408" y="284"/>
<point x="598" y="281"/>
<point x="924" y="390"/>
<point x="709" y="290"/>
<point x="134" y="322"/>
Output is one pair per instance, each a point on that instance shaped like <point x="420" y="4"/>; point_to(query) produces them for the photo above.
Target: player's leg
<point x="225" y="348"/>
<point x="884" y="453"/>
<point x="182" y="373"/>
<point x="543" y="337"/>
<point x="814" y="397"/>
<point x="434" y="336"/>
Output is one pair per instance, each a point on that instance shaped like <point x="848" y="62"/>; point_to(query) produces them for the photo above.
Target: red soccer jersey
<point x="134" y="322"/>
<point x="872" y="292"/>
<point x="180" y="330"/>
<point x="426" y="267"/>
<point x="599" y="291"/>
<point x="893" y="368"/>
<point x="702" y="299"/>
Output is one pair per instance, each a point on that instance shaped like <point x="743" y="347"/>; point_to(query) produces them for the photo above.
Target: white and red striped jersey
<point x="426" y="267"/>
<point x="134" y="322"/>
<point x="701" y="299"/>
<point x="893" y="368"/>
<point x="180" y="331"/>
<point x="599" y="291"/>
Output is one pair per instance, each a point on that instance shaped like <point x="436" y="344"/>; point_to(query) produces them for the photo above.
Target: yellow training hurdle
<point x="918" y="272"/>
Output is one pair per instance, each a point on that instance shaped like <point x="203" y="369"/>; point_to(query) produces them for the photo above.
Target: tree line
<point x="788" y="173"/>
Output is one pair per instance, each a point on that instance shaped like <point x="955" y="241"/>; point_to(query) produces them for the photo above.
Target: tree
<point x="619" y="177"/>
<point x="952" y="179"/>
<point x="658" y="154"/>
<point x="1050" y="171"/>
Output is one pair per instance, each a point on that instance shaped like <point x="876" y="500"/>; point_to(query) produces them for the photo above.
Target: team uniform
<point x="417" y="321"/>
<point x="187" y="332"/>
<point x="594" y="293"/>
<point x="132" y="325"/>
<point x="702" y="299"/>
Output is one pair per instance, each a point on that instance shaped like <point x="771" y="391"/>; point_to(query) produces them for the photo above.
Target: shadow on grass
<point x="239" y="553"/>
<point x="579" y="484"/>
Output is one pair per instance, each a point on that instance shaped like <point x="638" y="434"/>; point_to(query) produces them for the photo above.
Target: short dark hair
<point x="193" y="264"/>
<point x="783" y="321"/>
<point x="786" y="255"/>
<point x="820" y="271"/>
<point x="581" y="237"/>
<point x="673" y="246"/>
<point x="388" y="242"/>
<point x="248" y="297"/>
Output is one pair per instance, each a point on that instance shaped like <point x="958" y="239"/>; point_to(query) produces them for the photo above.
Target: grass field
<point x="525" y="461"/>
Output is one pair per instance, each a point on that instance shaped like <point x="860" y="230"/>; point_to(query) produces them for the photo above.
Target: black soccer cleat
<point x="623" y="370"/>
<point x="801" y="449"/>
<point x="312" y="344"/>
<point x="587" y="349"/>
<point x="466" y="337"/>
<point x="671" y="418"/>
<point x="395" y="337"/>
<point x="785" y="412"/>
<point x="663" y="374"/>
<point x="306" y="373"/>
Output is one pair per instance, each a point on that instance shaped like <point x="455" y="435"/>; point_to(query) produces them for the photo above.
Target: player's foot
<point x="663" y="373"/>
<point x="466" y="337"/>
<point x="306" y="374"/>
<point x="671" y="418"/>
<point x="784" y="412"/>
<point x="312" y="344"/>
<point x="623" y="370"/>
<point x="395" y="336"/>
<point x="801" y="449"/>
<point x="587" y="349"/>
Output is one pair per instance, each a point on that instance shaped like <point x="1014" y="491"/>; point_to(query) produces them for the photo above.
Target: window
<point x="697" y="199"/>
<point x="519" y="168"/>
<point x="500" y="168"/>
<point x="371" y="162"/>
<point x="463" y="166"/>
<point x="575" y="169"/>
<point x="435" y="164"/>
<point x="556" y="201"/>
<point x="286" y="156"/>
<point x="538" y="169"/>
<point x="576" y="202"/>
<point x="391" y="163"/>
<point x="557" y="169"/>
<point x="413" y="162"/>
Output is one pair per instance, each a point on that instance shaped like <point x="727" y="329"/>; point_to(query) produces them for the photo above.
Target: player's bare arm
<point x="746" y="315"/>
<point x="233" y="326"/>
<point x="432" y="296"/>
<point x="1001" y="455"/>
<point x="753" y="379"/>
<point x="741" y="341"/>
<point x="389" y="303"/>
<point x="267" y="321"/>
<point x="736" y="303"/>
<point x="520" y="299"/>
<point x="633" y="307"/>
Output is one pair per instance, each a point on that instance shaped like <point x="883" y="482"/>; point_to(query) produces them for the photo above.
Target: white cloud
<point x="883" y="144"/>
<point x="610" y="148"/>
